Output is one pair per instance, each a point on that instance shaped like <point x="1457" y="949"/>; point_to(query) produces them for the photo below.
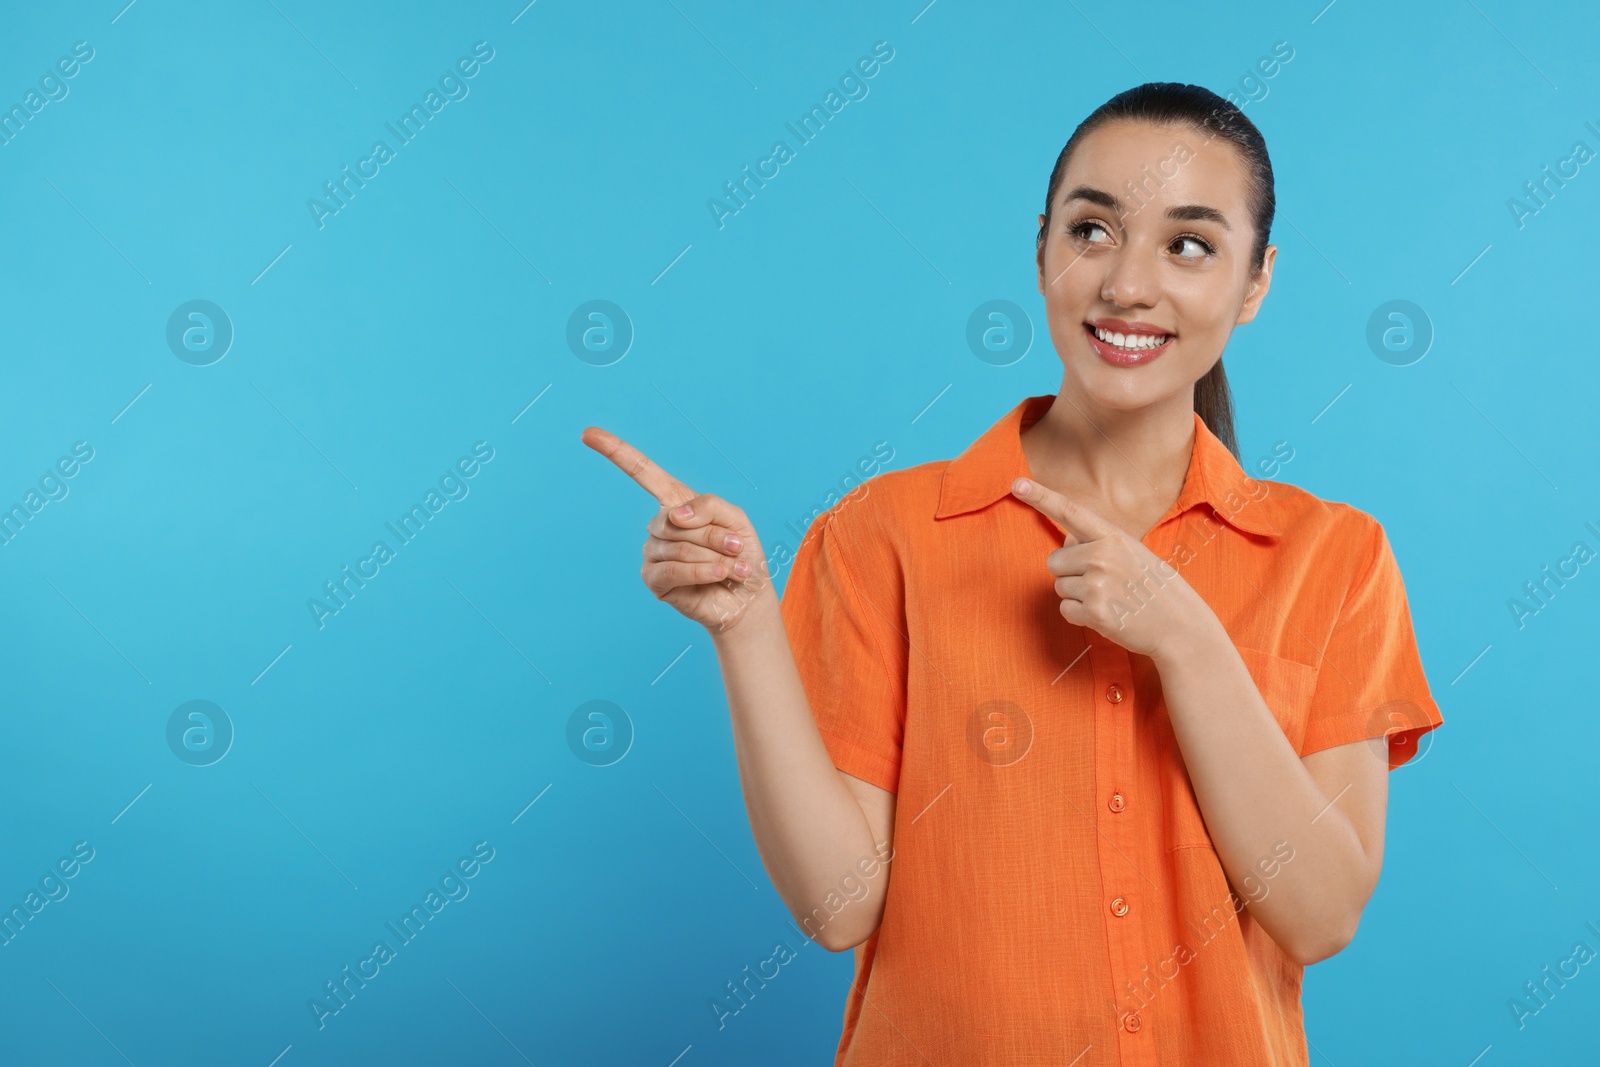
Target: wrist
<point x="1198" y="643"/>
<point x="751" y="612"/>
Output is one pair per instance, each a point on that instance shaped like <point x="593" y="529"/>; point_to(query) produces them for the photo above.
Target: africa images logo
<point x="453" y="86"/>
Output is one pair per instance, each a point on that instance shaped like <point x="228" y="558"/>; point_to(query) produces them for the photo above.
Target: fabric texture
<point x="1054" y="895"/>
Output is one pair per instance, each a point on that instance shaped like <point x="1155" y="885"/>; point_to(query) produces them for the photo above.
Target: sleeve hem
<point x="862" y="763"/>
<point x="1413" y="717"/>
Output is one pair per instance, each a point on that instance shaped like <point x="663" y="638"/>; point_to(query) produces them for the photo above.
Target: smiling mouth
<point x="1127" y="348"/>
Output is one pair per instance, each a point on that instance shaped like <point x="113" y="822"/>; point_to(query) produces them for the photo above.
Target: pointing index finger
<point x="1078" y="520"/>
<point x="668" y="491"/>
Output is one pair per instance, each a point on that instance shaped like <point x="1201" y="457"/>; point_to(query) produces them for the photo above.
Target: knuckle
<point x="652" y="579"/>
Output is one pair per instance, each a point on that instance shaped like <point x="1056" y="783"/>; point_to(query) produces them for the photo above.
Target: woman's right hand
<point x="708" y="564"/>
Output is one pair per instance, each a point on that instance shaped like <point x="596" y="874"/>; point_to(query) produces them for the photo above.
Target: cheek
<point x="1203" y="309"/>
<point x="1061" y="273"/>
<point x="1071" y="284"/>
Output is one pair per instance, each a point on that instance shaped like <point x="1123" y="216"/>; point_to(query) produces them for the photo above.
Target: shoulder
<point x="890" y="503"/>
<point x="869" y="530"/>
<point x="1343" y="540"/>
<point x="1301" y="513"/>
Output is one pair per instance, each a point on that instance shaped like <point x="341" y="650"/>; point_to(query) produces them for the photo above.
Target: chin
<point x="1110" y="388"/>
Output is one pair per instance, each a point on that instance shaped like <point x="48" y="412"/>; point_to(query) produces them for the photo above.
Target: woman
<point x="1081" y="738"/>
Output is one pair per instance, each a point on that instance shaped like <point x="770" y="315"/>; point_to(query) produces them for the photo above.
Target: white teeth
<point x="1133" y="342"/>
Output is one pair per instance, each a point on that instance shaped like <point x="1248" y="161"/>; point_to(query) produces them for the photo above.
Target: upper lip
<point x="1122" y="326"/>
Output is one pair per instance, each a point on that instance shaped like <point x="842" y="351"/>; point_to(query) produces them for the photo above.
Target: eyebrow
<point x="1181" y="212"/>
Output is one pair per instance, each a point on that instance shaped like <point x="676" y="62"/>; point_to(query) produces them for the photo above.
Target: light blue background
<point x="826" y="316"/>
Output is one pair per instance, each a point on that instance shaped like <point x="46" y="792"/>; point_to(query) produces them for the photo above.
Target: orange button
<point x="1119" y="907"/>
<point x="1115" y="803"/>
<point x="1130" y="1023"/>
<point x="1114" y="694"/>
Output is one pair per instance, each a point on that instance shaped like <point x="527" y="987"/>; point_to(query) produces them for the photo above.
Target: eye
<point x="1189" y="246"/>
<point x="1083" y="231"/>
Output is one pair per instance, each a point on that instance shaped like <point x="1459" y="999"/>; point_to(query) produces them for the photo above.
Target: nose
<point x="1130" y="280"/>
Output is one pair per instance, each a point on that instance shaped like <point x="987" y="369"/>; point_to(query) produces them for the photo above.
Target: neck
<point x="1120" y="455"/>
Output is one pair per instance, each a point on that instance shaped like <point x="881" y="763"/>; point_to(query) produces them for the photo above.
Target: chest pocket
<point x="1287" y="687"/>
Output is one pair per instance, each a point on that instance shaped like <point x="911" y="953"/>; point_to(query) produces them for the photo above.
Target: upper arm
<point x="1355" y="778"/>
<point x="877" y="804"/>
<point x="867" y="882"/>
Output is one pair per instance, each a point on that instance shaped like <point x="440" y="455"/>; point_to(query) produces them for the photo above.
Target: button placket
<point x="1115" y="763"/>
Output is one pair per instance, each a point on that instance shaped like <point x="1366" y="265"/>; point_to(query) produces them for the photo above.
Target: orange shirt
<point x="1053" y="890"/>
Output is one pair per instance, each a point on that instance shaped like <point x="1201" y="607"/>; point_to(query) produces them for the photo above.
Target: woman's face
<point x="1150" y="237"/>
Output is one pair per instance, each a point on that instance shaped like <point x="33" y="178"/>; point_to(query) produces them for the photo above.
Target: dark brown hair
<point x="1177" y="103"/>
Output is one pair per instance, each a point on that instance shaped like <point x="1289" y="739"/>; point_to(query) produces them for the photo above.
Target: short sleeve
<point x="1370" y="681"/>
<point x="843" y="611"/>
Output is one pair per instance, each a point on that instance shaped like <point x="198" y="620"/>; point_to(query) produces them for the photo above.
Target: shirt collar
<point x="983" y="474"/>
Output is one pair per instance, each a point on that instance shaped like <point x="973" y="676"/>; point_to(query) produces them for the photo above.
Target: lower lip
<point x="1121" y="357"/>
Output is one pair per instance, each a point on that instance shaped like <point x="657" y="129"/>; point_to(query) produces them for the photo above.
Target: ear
<point x="1039" y="256"/>
<point x="1258" y="287"/>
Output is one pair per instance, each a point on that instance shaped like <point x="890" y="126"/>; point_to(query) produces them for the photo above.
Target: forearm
<point x="1255" y="793"/>
<point x="808" y="826"/>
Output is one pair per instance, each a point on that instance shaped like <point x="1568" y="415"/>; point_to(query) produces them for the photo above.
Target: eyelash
<point x="1079" y="230"/>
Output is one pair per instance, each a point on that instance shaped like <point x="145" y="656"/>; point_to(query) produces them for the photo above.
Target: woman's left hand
<point x="1112" y="583"/>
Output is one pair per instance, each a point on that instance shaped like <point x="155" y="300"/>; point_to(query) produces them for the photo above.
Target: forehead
<point x="1185" y="166"/>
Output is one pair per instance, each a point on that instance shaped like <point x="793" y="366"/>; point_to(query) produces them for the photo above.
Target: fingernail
<point x="683" y="511"/>
<point x="732" y="544"/>
<point x="741" y="568"/>
<point x="1022" y="485"/>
